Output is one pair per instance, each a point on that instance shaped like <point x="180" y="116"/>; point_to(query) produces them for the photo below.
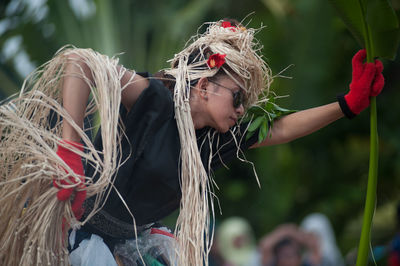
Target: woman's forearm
<point x="301" y="123"/>
<point x="75" y="95"/>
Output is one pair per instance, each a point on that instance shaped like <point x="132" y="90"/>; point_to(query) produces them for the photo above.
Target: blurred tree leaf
<point x="352" y="14"/>
<point x="373" y="23"/>
<point x="383" y="29"/>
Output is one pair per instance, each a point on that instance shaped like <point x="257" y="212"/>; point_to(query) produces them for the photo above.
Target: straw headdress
<point x="244" y="65"/>
<point x="30" y="130"/>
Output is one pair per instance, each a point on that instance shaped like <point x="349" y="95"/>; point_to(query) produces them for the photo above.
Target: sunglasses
<point x="238" y="96"/>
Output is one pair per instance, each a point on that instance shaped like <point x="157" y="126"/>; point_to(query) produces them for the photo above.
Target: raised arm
<point x="367" y="81"/>
<point x="302" y="123"/>
<point x="76" y="92"/>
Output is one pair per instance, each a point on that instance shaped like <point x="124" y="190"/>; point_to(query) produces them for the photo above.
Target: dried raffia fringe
<point x="30" y="214"/>
<point x="242" y="56"/>
<point x="24" y="186"/>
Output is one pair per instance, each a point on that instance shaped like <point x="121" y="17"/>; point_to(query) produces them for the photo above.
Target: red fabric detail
<point x="216" y="60"/>
<point x="77" y="203"/>
<point x="367" y="81"/>
<point x="64" y="193"/>
<point x="160" y="232"/>
<point x="394" y="260"/>
<point x="74" y="161"/>
<point x="227" y="24"/>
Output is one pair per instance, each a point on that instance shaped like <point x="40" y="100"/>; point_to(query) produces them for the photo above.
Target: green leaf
<point x="278" y="108"/>
<point x="256" y="110"/>
<point x="263" y="117"/>
<point x="255" y="124"/>
<point x="247" y="118"/>
<point x="249" y="134"/>
<point x="263" y="133"/>
<point x="260" y="136"/>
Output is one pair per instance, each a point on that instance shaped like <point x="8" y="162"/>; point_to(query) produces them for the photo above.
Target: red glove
<point x="367" y="81"/>
<point x="74" y="161"/>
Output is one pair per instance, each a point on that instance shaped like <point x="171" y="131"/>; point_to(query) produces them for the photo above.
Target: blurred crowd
<point x="311" y="243"/>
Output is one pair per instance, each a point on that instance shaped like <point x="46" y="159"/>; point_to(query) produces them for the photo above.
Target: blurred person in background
<point x="319" y="225"/>
<point x="235" y="244"/>
<point x="394" y="247"/>
<point x="288" y="245"/>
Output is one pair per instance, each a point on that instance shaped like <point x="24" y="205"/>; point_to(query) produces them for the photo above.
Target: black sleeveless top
<point x="148" y="181"/>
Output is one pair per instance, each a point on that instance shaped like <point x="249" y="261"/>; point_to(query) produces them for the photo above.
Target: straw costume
<point x="34" y="223"/>
<point x="143" y="163"/>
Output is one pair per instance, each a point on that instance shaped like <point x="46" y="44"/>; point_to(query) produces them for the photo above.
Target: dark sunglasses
<point x="238" y="96"/>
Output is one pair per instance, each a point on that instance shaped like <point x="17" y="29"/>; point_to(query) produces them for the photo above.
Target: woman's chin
<point x="223" y="130"/>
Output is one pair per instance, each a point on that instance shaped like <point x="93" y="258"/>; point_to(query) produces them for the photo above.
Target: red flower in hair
<point x="227" y="24"/>
<point x="216" y="60"/>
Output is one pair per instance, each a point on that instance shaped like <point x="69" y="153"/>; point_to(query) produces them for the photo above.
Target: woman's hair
<point x="169" y="80"/>
<point x="242" y="59"/>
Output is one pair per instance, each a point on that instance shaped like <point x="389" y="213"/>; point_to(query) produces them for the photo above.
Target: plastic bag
<point x="90" y="252"/>
<point x="154" y="247"/>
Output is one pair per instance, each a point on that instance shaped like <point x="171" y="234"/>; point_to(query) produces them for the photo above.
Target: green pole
<point x="370" y="201"/>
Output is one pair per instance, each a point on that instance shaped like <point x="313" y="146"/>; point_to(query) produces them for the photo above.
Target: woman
<point x="174" y="130"/>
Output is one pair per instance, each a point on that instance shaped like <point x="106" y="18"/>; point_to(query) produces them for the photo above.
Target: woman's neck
<point x="199" y="117"/>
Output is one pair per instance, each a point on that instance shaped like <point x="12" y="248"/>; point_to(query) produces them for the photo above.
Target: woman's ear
<point x="202" y="86"/>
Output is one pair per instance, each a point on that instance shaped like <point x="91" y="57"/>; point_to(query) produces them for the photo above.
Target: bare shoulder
<point x="133" y="85"/>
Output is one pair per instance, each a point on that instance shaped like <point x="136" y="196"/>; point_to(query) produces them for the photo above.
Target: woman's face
<point x="220" y="103"/>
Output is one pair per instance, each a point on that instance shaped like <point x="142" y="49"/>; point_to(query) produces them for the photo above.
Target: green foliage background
<point x="324" y="172"/>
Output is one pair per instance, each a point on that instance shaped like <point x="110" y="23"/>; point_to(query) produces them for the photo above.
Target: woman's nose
<point x="240" y="110"/>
